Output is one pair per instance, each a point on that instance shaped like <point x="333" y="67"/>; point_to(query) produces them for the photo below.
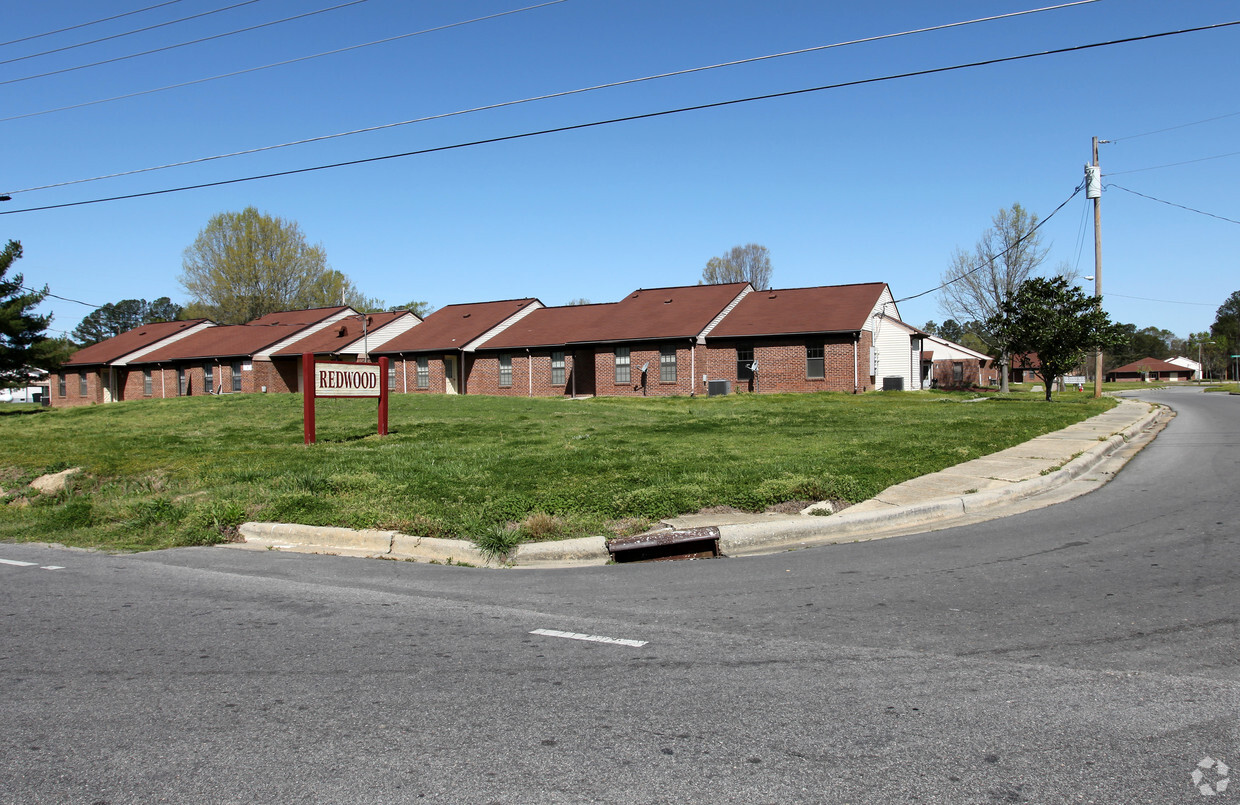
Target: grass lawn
<point x="162" y="473"/>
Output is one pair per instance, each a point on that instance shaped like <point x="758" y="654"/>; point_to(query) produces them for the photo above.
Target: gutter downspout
<point x="163" y="386"/>
<point x="692" y="367"/>
<point x="404" y="373"/>
<point x="856" y="344"/>
<point x="529" y="370"/>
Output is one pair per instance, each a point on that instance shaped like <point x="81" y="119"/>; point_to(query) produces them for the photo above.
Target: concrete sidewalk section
<point x="979" y="489"/>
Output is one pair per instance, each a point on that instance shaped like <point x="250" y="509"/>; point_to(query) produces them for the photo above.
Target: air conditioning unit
<point x="716" y="388"/>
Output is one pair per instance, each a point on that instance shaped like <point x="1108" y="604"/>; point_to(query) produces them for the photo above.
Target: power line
<point x="1162" y="301"/>
<point x="130" y="33"/>
<point x="182" y="44"/>
<point x="539" y="97"/>
<point x="1173" y="128"/>
<point x="992" y="260"/>
<point x="86" y="24"/>
<point x="278" y="64"/>
<point x="1174" y="164"/>
<point x="630" y="118"/>
<point x="1173" y="204"/>
<point x="45" y="292"/>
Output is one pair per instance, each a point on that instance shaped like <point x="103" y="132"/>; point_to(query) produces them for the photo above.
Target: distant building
<point x="1187" y="363"/>
<point x="1150" y="369"/>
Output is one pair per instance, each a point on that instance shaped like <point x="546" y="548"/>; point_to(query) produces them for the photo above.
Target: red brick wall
<point x="72" y="397"/>
<point x="583" y="379"/>
<point x="973" y="374"/>
<point x="406" y="369"/>
<point x="782" y="365"/>
<point x="689" y="361"/>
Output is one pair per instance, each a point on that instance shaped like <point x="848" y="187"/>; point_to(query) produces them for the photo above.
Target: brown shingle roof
<point x="303" y="318"/>
<point x="550" y="326"/>
<point x="230" y="341"/>
<point x="657" y="313"/>
<point x="454" y="326"/>
<point x="828" y="309"/>
<point x="130" y="341"/>
<point x="340" y="334"/>
<point x="1150" y="365"/>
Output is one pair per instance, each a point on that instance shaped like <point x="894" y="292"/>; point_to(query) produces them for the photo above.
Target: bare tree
<point x="979" y="283"/>
<point x="749" y="263"/>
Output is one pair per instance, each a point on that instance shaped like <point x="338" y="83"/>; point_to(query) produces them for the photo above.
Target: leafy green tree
<point x="115" y="318"/>
<point x="334" y="288"/>
<point x="951" y="330"/>
<point x="419" y="309"/>
<point x="21" y="331"/>
<point x="749" y="263"/>
<point x="247" y="264"/>
<point x="1225" y="332"/>
<point x="978" y="284"/>
<point x="1055" y="319"/>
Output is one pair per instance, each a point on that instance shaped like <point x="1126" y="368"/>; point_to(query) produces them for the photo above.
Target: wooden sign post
<point x="340" y="379"/>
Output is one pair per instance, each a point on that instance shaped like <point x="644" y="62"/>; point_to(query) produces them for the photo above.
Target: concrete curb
<point x="739" y="540"/>
<point x="734" y="540"/>
<point x="374" y="544"/>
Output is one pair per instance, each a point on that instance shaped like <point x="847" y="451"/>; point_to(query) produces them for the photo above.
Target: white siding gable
<point x="266" y="354"/>
<point x="163" y="342"/>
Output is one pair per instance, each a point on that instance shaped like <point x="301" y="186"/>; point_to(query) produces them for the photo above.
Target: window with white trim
<point x="815" y="361"/>
<point x="624" y="372"/>
<point x="744" y="362"/>
<point x="557" y="368"/>
<point x="146" y="382"/>
<point x="83" y="386"/>
<point x="424" y="372"/>
<point x="667" y="364"/>
<point x="505" y="370"/>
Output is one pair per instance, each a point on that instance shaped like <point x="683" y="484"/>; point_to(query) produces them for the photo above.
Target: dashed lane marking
<point x="592" y="638"/>
<point x="16" y="563"/>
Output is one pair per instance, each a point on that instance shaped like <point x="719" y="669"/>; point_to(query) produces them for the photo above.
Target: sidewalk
<point x="1045" y="470"/>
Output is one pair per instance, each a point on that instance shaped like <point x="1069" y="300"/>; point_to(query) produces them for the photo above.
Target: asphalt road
<point x="1087" y="652"/>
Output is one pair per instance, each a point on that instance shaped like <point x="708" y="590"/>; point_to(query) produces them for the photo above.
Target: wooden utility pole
<point x="1093" y="190"/>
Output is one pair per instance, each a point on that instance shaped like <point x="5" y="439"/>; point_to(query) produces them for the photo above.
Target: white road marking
<point x="16" y="563"/>
<point x="593" y="638"/>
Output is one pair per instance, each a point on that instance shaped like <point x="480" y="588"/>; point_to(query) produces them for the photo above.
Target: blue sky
<point x="876" y="182"/>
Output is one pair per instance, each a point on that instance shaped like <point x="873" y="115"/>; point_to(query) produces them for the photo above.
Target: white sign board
<point x="347" y="380"/>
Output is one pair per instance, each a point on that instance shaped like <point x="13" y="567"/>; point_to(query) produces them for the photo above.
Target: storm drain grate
<point x="678" y="543"/>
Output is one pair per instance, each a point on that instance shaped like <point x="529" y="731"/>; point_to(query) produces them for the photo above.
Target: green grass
<point x="1234" y="388"/>
<point x="187" y="471"/>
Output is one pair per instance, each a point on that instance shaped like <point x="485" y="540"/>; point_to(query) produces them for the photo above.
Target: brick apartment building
<point x="657" y="342"/>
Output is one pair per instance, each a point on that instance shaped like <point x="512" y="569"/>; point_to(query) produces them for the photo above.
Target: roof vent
<point x="467" y="315"/>
<point x="344" y="330"/>
<point x="667" y="301"/>
<point x="772" y="296"/>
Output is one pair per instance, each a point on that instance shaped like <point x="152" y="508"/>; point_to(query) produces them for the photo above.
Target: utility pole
<point x="1093" y="189"/>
